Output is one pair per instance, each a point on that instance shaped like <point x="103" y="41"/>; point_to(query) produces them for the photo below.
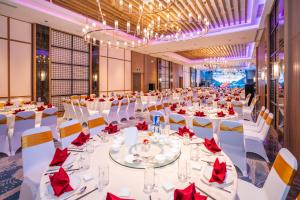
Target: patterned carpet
<point x="11" y="172"/>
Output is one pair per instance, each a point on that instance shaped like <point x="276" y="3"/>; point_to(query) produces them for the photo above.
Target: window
<point x="163" y="74"/>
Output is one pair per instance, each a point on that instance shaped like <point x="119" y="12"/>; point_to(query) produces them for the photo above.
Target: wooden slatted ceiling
<point x="236" y="50"/>
<point x="220" y="13"/>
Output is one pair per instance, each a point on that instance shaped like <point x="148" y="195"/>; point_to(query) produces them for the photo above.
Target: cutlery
<point x="81" y="191"/>
<point x="218" y="187"/>
<point x="75" y="150"/>
<point x="204" y="192"/>
<point x="211" y="163"/>
<point x="51" y="170"/>
<point x="69" y="170"/>
<point x="80" y="197"/>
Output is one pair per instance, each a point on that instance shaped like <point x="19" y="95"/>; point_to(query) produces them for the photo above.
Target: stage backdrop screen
<point x="229" y="78"/>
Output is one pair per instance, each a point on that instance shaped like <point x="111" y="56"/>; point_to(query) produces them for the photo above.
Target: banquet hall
<point x="149" y="99"/>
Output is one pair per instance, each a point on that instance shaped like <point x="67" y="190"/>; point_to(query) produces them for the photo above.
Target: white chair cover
<point x="37" y="152"/>
<point x="112" y="114"/>
<point x="96" y="124"/>
<point x="259" y="117"/>
<point x="131" y="108"/>
<point x="86" y="112"/>
<point x="69" y="131"/>
<point x="231" y="140"/>
<point x="66" y="108"/>
<point x="278" y="182"/>
<point x="49" y="118"/>
<point x="203" y="127"/>
<point x="176" y="121"/>
<point x="238" y="108"/>
<point x="78" y="112"/>
<point x="122" y="112"/>
<point x="4" y="145"/>
<point x="23" y="121"/>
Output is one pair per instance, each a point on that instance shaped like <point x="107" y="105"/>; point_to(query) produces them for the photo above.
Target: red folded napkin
<point x="101" y="100"/>
<point x="211" y="145"/>
<point x="142" y="126"/>
<point x="120" y="98"/>
<point x="228" y="99"/>
<point x="60" y="182"/>
<point x="111" y="128"/>
<point x="27" y="102"/>
<point x="111" y="99"/>
<point x="236" y="98"/>
<point x="231" y="111"/>
<point x="40" y="108"/>
<point x="216" y="99"/>
<point x="18" y="110"/>
<point x="59" y="157"/>
<point x="219" y="172"/>
<point x="90" y="99"/>
<point x="184" y="130"/>
<point x="81" y="139"/>
<point x="9" y="104"/>
<point x="110" y="196"/>
<point x="181" y="111"/>
<point x="189" y="193"/>
<point x="220" y="114"/>
<point x="199" y="114"/>
<point x="49" y="105"/>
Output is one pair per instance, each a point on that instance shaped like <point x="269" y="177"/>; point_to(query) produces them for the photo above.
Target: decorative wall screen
<point x="164" y="74"/>
<point x="70" y="69"/>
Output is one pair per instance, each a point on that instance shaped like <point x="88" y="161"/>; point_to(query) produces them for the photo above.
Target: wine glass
<point x="149" y="180"/>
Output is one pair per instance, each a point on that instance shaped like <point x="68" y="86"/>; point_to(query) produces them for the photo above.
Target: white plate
<point x="74" y="182"/>
<point x="207" y="173"/>
<point x="205" y="150"/>
<point x="70" y="160"/>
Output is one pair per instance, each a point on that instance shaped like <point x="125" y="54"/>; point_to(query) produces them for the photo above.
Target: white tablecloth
<point x="133" y="179"/>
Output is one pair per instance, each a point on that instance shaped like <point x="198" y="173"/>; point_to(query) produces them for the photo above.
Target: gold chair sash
<point x="269" y="120"/>
<point x="181" y="122"/>
<point x="124" y="104"/>
<point x="74" y="97"/>
<point x="161" y="118"/>
<point x="262" y="113"/>
<point x="83" y="104"/>
<point x="236" y="129"/>
<point x="265" y="115"/>
<point x="36" y="139"/>
<point x="150" y="108"/>
<point x="166" y="104"/>
<point x="75" y="104"/>
<point x="96" y="122"/>
<point x="208" y="125"/>
<point x="2" y="105"/>
<point x="159" y="107"/>
<point x="18" y="118"/>
<point x="69" y="130"/>
<point x="132" y="101"/>
<point x="3" y="121"/>
<point x="83" y="96"/>
<point x="284" y="170"/>
<point x="44" y="115"/>
<point x="237" y="105"/>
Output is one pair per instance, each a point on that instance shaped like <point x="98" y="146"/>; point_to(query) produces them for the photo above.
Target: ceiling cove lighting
<point x="144" y="31"/>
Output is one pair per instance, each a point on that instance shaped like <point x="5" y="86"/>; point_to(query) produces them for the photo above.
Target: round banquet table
<point x="211" y="113"/>
<point x="133" y="179"/>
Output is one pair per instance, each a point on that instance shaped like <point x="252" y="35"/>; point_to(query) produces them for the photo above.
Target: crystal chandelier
<point x="144" y="33"/>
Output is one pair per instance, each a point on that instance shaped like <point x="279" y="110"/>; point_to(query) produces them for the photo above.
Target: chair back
<point x="237" y="107"/>
<point x="71" y="110"/>
<point x="23" y="121"/>
<point x="151" y="107"/>
<point x="160" y="107"/>
<point x="131" y="107"/>
<point x="231" y="135"/>
<point x="157" y="113"/>
<point x="266" y="126"/>
<point x="84" y="111"/>
<point x="66" y="108"/>
<point x="203" y="127"/>
<point x="4" y="147"/>
<point x="96" y="124"/>
<point x="77" y="109"/>
<point x="68" y="131"/>
<point x="280" y="178"/>
<point x="114" y="106"/>
<point x="261" y="113"/>
<point x="263" y="120"/>
<point x="49" y="118"/>
<point x="123" y="104"/>
<point x="176" y="121"/>
<point x="37" y="150"/>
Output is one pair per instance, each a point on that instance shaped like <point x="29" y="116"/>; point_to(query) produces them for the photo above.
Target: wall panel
<point x="3" y="25"/>
<point x="3" y="69"/>
<point x="20" y="30"/>
<point x="20" y="69"/>
<point x="103" y="50"/>
<point x="115" y="74"/>
<point x="114" y="52"/>
<point x="103" y="73"/>
<point x="127" y="54"/>
<point x="127" y="75"/>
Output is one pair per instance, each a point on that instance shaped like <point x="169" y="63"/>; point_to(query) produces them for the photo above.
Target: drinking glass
<point x="104" y="136"/>
<point x="149" y="180"/>
<point x="90" y="146"/>
<point x="103" y="176"/>
<point x="186" y="138"/>
<point x="182" y="170"/>
<point x="167" y="129"/>
<point x="84" y="160"/>
<point x="194" y="152"/>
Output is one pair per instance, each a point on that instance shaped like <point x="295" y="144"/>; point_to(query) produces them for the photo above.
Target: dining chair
<point x="162" y="117"/>
<point x="254" y="140"/>
<point x="247" y="111"/>
<point x="203" y="127"/>
<point x="23" y="121"/>
<point x="259" y="117"/>
<point x="278" y="182"/>
<point x="68" y="131"/>
<point x="238" y="108"/>
<point x="67" y="115"/>
<point x="176" y="121"/>
<point x="231" y="139"/>
<point x="37" y="152"/>
<point x="111" y="115"/>
<point x="49" y="118"/>
<point x="78" y="112"/>
<point x="122" y="112"/>
<point x="261" y="123"/>
<point x="86" y="112"/>
<point x="96" y="124"/>
<point x="4" y="142"/>
<point x="131" y="108"/>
